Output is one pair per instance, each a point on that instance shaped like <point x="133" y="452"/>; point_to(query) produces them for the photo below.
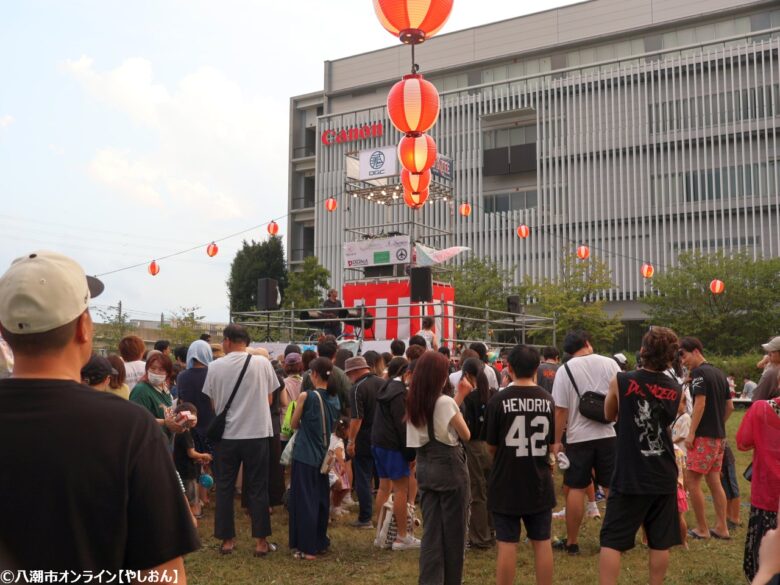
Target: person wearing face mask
<point x="151" y="392"/>
<point x="394" y="461"/>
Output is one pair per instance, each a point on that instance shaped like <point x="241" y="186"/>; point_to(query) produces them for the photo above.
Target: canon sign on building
<point x="653" y="130"/>
<point x="340" y="136"/>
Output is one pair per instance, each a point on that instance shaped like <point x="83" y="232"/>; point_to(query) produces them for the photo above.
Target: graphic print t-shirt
<point x="521" y="425"/>
<point x="545" y="375"/>
<point x="710" y="382"/>
<point x="644" y="458"/>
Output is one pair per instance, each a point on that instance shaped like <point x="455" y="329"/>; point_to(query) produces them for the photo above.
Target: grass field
<point x="353" y="559"/>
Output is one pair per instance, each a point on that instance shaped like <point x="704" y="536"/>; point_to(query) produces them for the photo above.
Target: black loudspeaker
<point x="421" y="280"/>
<point x="267" y="294"/>
<point x="379" y="271"/>
<point x="513" y="304"/>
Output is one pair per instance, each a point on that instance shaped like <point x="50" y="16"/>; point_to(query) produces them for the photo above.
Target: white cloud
<point x="6" y="121"/>
<point x="136" y="180"/>
<point x="213" y="140"/>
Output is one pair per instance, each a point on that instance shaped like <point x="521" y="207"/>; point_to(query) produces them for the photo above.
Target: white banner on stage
<point x="377" y="252"/>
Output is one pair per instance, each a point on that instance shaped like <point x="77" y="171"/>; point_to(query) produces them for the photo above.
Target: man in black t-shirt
<point x="362" y="402"/>
<point x="520" y="429"/>
<point x="643" y="490"/>
<point x="86" y="478"/>
<point x="706" y="440"/>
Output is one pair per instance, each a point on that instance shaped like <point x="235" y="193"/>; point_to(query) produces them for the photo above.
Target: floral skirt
<point x="761" y="521"/>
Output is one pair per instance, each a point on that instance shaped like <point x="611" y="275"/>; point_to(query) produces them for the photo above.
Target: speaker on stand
<point x="267" y="300"/>
<point x="513" y="306"/>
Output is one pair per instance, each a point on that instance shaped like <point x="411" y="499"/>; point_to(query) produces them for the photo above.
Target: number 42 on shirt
<point x="517" y="437"/>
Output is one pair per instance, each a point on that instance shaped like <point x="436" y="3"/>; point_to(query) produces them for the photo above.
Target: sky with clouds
<point x="131" y="130"/>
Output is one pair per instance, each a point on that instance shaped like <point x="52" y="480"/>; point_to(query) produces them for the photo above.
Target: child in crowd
<point x="338" y="477"/>
<point x="680" y="429"/>
<point x="520" y="429"/>
<point x="187" y="459"/>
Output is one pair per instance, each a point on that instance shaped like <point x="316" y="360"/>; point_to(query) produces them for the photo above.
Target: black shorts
<point x="538" y="526"/>
<point x="585" y="457"/>
<point x="626" y="513"/>
<point x="728" y="474"/>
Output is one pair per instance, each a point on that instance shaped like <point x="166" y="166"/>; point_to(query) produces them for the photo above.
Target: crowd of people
<point x="113" y="458"/>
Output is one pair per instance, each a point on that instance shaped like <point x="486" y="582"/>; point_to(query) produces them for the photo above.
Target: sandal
<point x="298" y="555"/>
<point x="714" y="534"/>
<point x="227" y="551"/>
<point x="695" y="535"/>
<point x="272" y="547"/>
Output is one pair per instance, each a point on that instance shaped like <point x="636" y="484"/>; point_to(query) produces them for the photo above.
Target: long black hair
<point x="475" y="367"/>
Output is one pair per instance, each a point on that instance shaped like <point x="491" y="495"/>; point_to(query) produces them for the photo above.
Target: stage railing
<point x="296" y="325"/>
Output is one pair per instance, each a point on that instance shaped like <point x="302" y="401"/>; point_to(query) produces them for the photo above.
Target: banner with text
<point x="377" y="252"/>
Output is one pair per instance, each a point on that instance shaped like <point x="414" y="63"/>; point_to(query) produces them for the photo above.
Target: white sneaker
<point x="593" y="510"/>
<point x="338" y="511"/>
<point x="560" y="515"/>
<point x="409" y="542"/>
<point x="348" y="501"/>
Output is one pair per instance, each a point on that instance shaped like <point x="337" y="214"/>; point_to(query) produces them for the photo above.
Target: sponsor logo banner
<point x="378" y="163"/>
<point x="377" y="252"/>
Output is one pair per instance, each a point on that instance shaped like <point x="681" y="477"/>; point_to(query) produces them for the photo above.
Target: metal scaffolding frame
<point x="305" y="325"/>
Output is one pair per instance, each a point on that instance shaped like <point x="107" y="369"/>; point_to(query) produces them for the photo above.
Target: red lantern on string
<point x="413" y="105"/>
<point x="415" y="200"/>
<point x="415" y="182"/>
<point x="331" y="204"/>
<point x="583" y="252"/>
<point x="154" y="268"/>
<point x="417" y="153"/>
<point x="717" y="287"/>
<point x="273" y="228"/>
<point x="212" y="249"/>
<point x="464" y="209"/>
<point x="413" y="21"/>
<point x="647" y="270"/>
<point x="523" y="231"/>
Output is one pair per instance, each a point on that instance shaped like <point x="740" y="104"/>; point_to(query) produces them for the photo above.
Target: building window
<point x="513" y="201"/>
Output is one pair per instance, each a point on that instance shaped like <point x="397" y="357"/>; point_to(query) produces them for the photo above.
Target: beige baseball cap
<point x="44" y="290"/>
<point x="773" y="345"/>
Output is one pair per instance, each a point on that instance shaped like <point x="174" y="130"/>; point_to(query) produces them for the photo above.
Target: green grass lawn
<point x="353" y="559"/>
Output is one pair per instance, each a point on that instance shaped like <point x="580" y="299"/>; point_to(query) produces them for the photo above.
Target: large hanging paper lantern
<point x="647" y="270"/>
<point x="413" y="21"/>
<point x="415" y="182"/>
<point x="417" y="153"/>
<point x="331" y="204"/>
<point x="717" y="287"/>
<point x="413" y="104"/>
<point x="523" y="231"/>
<point x="464" y="209"/>
<point x="273" y="228"/>
<point x="154" y="268"/>
<point x="583" y="252"/>
<point x="212" y="249"/>
<point x="415" y="200"/>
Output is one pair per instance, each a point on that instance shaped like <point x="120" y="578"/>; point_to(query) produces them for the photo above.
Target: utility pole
<point x="119" y="319"/>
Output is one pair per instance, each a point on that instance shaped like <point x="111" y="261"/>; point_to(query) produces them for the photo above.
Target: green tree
<point x="113" y="326"/>
<point x="480" y="283"/>
<point x="306" y="288"/>
<point x="255" y="260"/>
<point x="745" y="314"/>
<point x="184" y="326"/>
<point x="574" y="299"/>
